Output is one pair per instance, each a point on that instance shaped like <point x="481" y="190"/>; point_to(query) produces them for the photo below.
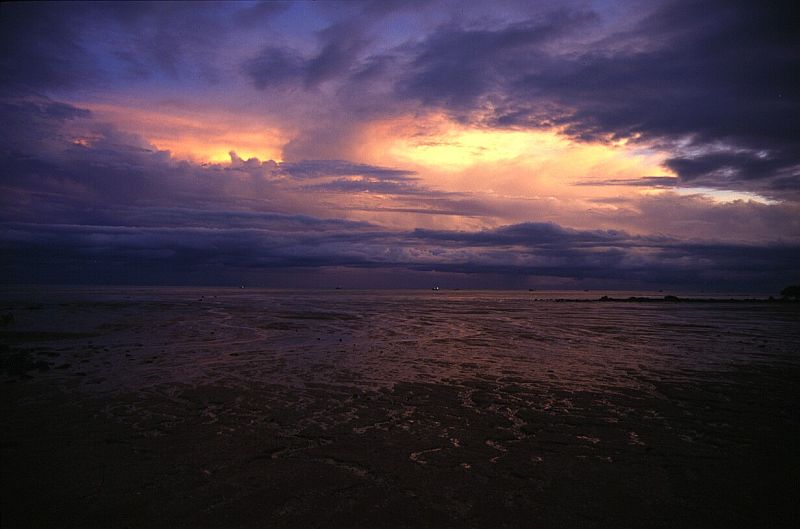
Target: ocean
<point x="213" y="407"/>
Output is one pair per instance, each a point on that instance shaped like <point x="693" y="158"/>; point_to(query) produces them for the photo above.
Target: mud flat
<point x="220" y="408"/>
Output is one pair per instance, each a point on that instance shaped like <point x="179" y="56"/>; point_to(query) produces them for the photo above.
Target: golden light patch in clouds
<point x="511" y="163"/>
<point x="725" y="196"/>
<point x="457" y="149"/>
<point x="200" y="137"/>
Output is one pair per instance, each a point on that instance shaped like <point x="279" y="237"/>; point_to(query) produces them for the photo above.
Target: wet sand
<point x="227" y="408"/>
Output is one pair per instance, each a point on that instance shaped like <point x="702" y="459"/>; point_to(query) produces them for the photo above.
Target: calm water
<point x="457" y="407"/>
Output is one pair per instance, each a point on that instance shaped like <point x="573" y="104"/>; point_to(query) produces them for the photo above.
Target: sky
<point x="385" y="144"/>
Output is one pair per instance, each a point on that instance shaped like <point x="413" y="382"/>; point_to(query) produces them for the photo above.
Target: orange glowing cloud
<point x="511" y="163"/>
<point x="204" y="137"/>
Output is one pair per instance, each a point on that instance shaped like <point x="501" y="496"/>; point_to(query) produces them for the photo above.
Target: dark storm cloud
<point x="691" y="77"/>
<point x="712" y="83"/>
<point x="341" y="46"/>
<point x="457" y="67"/>
<point x="523" y="250"/>
<point x="771" y="173"/>
<point x="156" y="217"/>
<point x="286" y="243"/>
<point x="115" y="210"/>
<point x="34" y="123"/>
<point x="524" y="234"/>
<point x="40" y="47"/>
<point x="167" y="38"/>
<point x="57" y="45"/>
<point x="275" y="66"/>
<point x="549" y="249"/>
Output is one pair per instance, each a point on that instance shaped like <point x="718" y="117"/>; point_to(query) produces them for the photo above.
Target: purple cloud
<point x="712" y="85"/>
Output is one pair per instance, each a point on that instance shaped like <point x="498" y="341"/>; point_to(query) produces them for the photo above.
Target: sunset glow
<point x="400" y="264"/>
<point x="198" y="136"/>
<point x="511" y="163"/>
<point x="347" y="136"/>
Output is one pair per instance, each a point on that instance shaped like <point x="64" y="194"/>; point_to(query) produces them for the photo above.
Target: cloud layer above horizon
<point x="502" y="145"/>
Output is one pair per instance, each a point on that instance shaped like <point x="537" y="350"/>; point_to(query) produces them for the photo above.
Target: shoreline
<point x="671" y="299"/>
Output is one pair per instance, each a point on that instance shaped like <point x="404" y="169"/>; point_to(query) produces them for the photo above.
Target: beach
<point x="212" y="407"/>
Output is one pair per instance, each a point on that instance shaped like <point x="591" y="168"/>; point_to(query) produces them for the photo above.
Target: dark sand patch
<point x="403" y="423"/>
<point x="15" y="337"/>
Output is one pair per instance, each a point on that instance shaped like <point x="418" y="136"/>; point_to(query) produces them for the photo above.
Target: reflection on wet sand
<point x="190" y="407"/>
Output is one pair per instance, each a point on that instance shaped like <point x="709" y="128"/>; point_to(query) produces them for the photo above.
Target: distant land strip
<point x="670" y="299"/>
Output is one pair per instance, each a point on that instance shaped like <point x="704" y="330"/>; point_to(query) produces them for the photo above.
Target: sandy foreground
<point x="227" y="408"/>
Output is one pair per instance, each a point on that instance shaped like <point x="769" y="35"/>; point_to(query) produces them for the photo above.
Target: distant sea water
<point x="397" y="408"/>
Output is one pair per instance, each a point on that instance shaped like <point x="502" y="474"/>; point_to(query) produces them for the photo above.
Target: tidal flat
<point x="180" y="407"/>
